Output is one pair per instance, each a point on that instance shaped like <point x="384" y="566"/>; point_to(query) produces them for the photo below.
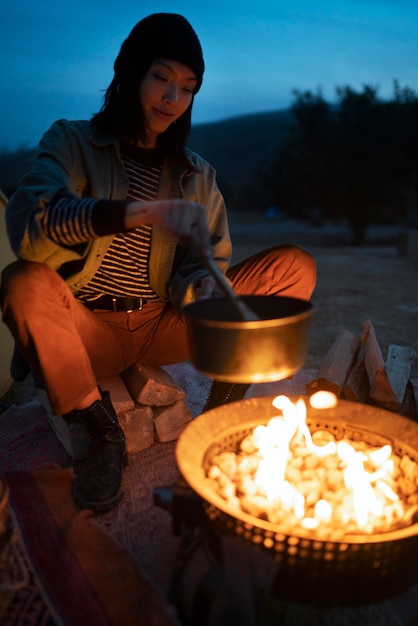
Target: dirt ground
<point x="354" y="284"/>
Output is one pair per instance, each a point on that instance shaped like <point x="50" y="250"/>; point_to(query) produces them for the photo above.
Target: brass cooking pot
<point x="226" y="348"/>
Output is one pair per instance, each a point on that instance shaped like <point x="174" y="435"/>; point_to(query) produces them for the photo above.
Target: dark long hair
<point x="158" y="36"/>
<point x="122" y="114"/>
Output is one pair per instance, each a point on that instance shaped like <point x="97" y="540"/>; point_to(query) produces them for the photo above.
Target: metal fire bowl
<point x="360" y="569"/>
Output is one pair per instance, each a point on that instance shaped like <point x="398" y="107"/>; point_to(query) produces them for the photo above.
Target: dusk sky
<point x="57" y="57"/>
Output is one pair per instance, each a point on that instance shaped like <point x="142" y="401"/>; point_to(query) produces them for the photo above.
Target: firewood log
<point x="336" y="365"/>
<point x="356" y="387"/>
<point x="152" y="385"/>
<point x="169" y="421"/>
<point x="137" y="424"/>
<point x="381" y="392"/>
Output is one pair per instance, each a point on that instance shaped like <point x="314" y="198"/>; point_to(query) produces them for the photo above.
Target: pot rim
<point x="193" y="310"/>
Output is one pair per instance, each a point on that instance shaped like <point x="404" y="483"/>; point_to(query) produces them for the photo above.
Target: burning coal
<point x="331" y="488"/>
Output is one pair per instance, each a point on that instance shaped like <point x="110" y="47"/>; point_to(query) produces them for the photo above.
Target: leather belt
<point x="112" y="303"/>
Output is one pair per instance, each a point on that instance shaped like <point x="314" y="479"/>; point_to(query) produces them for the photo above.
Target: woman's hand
<point x="182" y="218"/>
<point x="207" y="288"/>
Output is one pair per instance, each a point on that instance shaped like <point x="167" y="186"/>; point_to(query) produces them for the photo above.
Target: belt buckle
<point x="139" y="306"/>
<point x="137" y="302"/>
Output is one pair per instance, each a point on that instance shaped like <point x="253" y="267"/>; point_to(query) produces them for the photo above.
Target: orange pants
<point x="68" y="347"/>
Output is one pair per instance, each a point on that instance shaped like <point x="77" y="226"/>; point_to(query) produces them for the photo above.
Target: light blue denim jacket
<point x="74" y="159"/>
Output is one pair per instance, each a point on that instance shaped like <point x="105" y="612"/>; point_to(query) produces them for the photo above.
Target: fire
<point x="287" y="475"/>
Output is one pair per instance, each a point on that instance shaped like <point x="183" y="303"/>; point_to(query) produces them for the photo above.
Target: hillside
<point x="236" y="147"/>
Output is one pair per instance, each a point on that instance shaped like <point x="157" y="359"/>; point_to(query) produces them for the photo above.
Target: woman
<point x="102" y="226"/>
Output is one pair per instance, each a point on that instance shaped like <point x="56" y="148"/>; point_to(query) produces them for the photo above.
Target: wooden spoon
<point x="246" y="314"/>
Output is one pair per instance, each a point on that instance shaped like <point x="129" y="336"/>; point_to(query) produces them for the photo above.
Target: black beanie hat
<point x="160" y="35"/>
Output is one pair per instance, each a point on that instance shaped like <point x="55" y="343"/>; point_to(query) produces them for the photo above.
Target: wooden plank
<point x="151" y="385"/>
<point x="398" y="368"/>
<point x="336" y="365"/>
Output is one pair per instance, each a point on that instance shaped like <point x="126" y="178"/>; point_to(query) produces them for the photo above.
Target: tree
<point x="403" y="112"/>
<point x="356" y="159"/>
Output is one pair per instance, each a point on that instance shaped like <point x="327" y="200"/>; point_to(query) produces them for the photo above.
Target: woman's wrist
<point x="137" y="213"/>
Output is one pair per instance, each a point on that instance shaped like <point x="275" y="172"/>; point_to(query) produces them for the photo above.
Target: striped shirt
<point x="124" y="268"/>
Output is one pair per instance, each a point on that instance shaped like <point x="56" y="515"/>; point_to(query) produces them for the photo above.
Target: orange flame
<point x="364" y="472"/>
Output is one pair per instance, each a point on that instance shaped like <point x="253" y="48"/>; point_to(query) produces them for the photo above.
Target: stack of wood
<point x="149" y="404"/>
<point x="354" y="369"/>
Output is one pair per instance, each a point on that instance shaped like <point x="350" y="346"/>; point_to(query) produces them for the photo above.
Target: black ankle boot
<point x="97" y="485"/>
<point x="222" y="393"/>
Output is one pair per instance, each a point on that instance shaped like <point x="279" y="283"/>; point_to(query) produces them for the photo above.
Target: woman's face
<point x="165" y="93"/>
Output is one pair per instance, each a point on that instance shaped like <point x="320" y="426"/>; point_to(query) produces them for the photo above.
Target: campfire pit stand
<point x="358" y="570"/>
